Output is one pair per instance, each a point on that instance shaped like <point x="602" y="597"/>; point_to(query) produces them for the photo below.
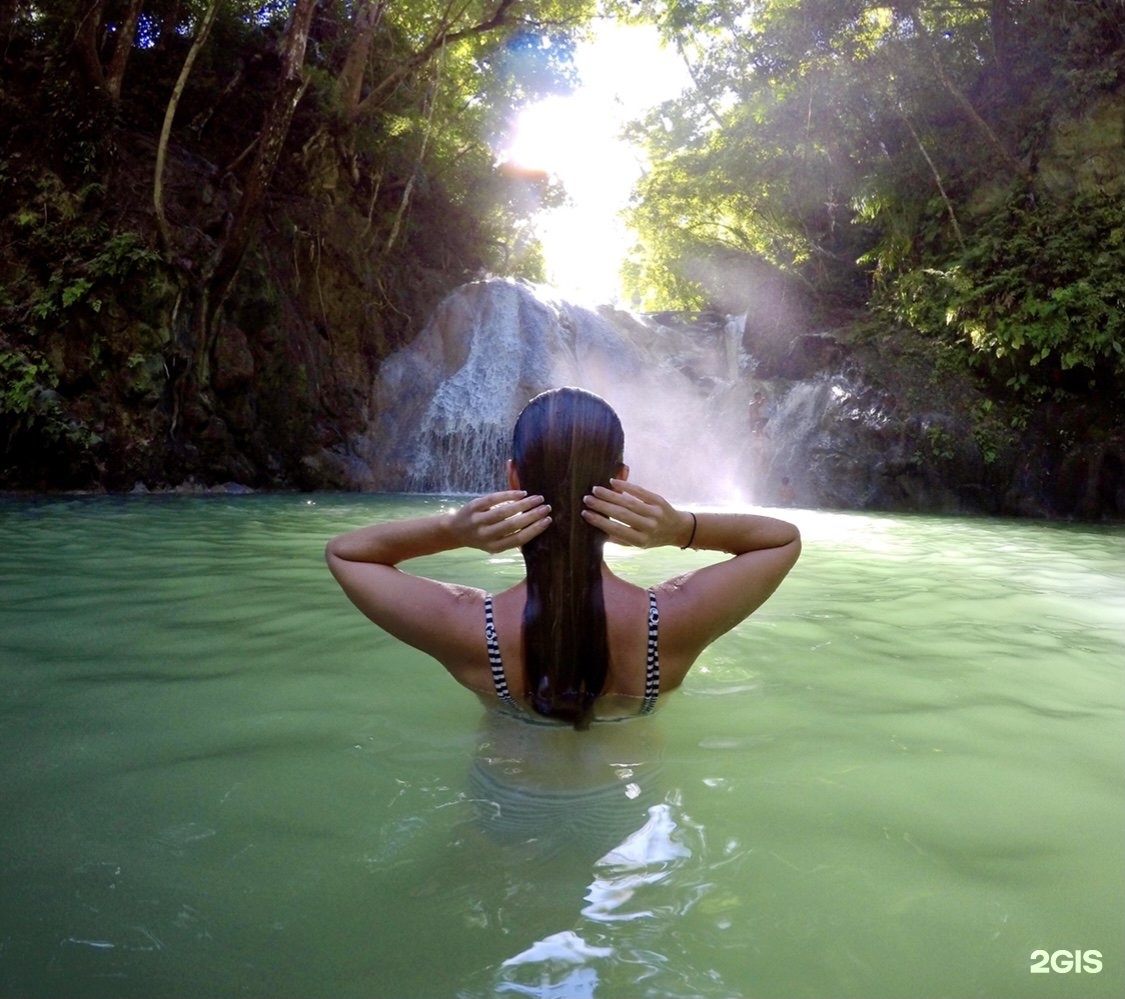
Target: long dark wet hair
<point x="566" y="441"/>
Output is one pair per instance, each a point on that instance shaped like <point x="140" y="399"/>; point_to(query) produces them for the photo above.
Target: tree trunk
<point x="126" y="33"/>
<point x="1000" y="22"/>
<point x="86" y="45"/>
<point x="991" y="139"/>
<point x="441" y="37"/>
<point x="364" y="25"/>
<point x="180" y="380"/>
<point x="408" y="191"/>
<point x="197" y="44"/>
<point x="937" y="179"/>
<point x="271" y="138"/>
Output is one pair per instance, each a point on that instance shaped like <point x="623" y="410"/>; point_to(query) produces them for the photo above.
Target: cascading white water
<point x="458" y="442"/>
<point x="444" y="407"/>
<point x="813" y="420"/>
<point x="701" y="425"/>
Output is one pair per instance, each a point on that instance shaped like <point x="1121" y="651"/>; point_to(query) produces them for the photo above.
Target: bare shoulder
<point x="699" y="606"/>
<point x="680" y="642"/>
<point x="439" y="618"/>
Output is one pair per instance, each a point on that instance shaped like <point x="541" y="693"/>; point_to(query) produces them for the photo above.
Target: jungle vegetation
<point x="188" y="182"/>
<point x="218" y="216"/>
<point x="958" y="165"/>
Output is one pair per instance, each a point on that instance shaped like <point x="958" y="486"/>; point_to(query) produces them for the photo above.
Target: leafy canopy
<point x="908" y="155"/>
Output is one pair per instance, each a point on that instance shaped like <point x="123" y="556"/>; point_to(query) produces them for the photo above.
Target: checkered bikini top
<point x="652" y="656"/>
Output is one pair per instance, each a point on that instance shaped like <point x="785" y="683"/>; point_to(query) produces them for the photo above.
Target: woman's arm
<point x="706" y="602"/>
<point x="424" y="612"/>
<point x="639" y="517"/>
<point x="491" y="523"/>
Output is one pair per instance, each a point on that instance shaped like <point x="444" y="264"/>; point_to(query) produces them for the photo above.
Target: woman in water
<point x="572" y="641"/>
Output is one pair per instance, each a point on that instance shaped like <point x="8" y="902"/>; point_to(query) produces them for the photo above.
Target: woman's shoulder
<point x="685" y="628"/>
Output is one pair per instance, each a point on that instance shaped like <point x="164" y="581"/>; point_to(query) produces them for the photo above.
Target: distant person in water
<point x="571" y="642"/>
<point x="757" y="413"/>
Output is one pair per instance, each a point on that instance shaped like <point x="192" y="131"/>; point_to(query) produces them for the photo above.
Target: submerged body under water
<point x="900" y="778"/>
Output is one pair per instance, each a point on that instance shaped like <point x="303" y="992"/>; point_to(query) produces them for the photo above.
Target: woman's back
<point x="627" y="618"/>
<point x="572" y="641"/>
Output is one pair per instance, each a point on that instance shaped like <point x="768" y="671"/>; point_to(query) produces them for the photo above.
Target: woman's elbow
<point x="332" y="554"/>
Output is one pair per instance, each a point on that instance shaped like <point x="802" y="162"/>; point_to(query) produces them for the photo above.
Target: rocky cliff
<point x="854" y="417"/>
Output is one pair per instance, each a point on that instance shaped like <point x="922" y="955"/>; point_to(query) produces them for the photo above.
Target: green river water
<point x="903" y="777"/>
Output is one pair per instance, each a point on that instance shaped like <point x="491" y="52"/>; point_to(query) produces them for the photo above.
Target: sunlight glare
<point x="577" y="138"/>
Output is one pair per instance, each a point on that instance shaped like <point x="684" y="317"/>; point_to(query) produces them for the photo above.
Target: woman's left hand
<point x="499" y="521"/>
<point x="631" y="515"/>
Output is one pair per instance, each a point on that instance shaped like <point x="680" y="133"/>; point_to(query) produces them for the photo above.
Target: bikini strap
<point x="495" y="663"/>
<point x="652" y="656"/>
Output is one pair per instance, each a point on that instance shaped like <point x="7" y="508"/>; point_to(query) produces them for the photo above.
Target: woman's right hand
<point x="638" y="517"/>
<point x="498" y="521"/>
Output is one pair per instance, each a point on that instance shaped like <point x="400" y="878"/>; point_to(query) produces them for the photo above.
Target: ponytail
<point x="566" y="441"/>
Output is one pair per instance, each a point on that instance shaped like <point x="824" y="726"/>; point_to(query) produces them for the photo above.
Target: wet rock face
<point x="443" y="409"/>
<point x="810" y="354"/>
<point x="713" y="414"/>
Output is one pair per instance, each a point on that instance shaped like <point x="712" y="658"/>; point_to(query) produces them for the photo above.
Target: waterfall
<point x="796" y="421"/>
<point x="718" y="410"/>
<point x="443" y="408"/>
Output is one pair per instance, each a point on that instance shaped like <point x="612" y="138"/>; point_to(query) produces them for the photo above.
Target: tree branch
<point x="123" y="46"/>
<point x="367" y="19"/>
<point x="937" y="180"/>
<point x="963" y="102"/>
<point x="166" y="130"/>
<point x="443" y="36"/>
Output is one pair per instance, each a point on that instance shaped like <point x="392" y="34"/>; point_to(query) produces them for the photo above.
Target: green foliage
<point x="121" y="258"/>
<point x="60" y="294"/>
<point x="1039" y="281"/>
<point x="370" y="215"/>
<point x="23" y="392"/>
<point x="438" y="134"/>
<point x="124" y="255"/>
<point x="76" y="291"/>
<point x="531" y="64"/>
<point x="880" y="154"/>
<point x="942" y="444"/>
<point x="992" y="436"/>
<point x="764" y="157"/>
<point x="31" y="408"/>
